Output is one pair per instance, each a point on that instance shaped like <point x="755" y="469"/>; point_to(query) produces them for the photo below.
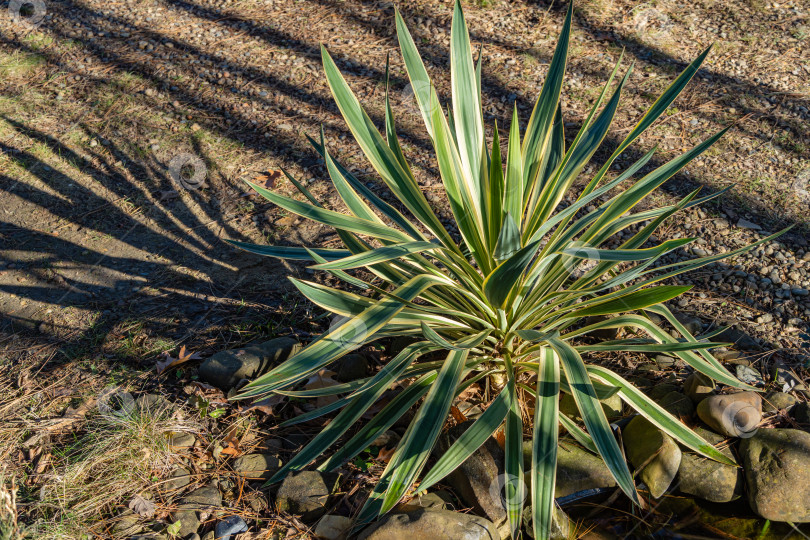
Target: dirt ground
<point x="110" y="256"/>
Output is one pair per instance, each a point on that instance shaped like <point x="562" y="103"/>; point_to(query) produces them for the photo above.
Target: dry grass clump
<point x="118" y="455"/>
<point x="8" y="508"/>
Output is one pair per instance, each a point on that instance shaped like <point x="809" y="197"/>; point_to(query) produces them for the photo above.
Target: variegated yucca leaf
<point x="504" y="295"/>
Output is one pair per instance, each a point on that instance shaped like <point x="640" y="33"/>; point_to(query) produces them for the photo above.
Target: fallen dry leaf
<point x="322" y="379"/>
<point x="141" y="506"/>
<point x="267" y="405"/>
<point x="386" y="454"/>
<point x="211" y="393"/>
<point x="266" y="180"/>
<point x="500" y="437"/>
<point x="458" y="416"/>
<point x="169" y="361"/>
<point x="231" y="443"/>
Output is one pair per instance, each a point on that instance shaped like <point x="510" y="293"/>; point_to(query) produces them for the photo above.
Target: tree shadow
<point x="184" y="234"/>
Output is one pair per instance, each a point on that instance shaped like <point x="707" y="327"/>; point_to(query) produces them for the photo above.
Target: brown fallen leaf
<point x="231" y="443"/>
<point x="322" y="379"/>
<point x="211" y="393"/>
<point x="386" y="454"/>
<point x="266" y="180"/>
<point x="500" y="437"/>
<point x="141" y="506"/>
<point x="458" y="416"/>
<point x="169" y="361"/>
<point x="267" y="405"/>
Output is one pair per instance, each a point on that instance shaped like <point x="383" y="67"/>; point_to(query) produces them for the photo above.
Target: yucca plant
<point x="507" y="300"/>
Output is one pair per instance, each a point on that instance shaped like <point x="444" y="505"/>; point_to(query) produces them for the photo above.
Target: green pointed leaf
<point x="594" y="416"/>
<point x="414" y="449"/>
<point x="544" y="443"/>
<point x="469" y="441"/>
<point x="658" y="416"/>
<point x="514" y="487"/>
<point x="378" y="255"/>
<point x="508" y="239"/>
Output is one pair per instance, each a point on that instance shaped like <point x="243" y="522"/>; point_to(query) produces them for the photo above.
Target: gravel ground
<point x="107" y="256"/>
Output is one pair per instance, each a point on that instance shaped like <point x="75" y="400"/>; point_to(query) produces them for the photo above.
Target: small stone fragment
<point x="226" y="368"/>
<point x="431" y="524"/>
<point x="777" y="470"/>
<point x="331" y="527"/>
<point x="732" y="415"/>
<point x="256" y="466"/>
<point x="698" y="386"/>
<point x="777" y="401"/>
<point x="708" y="479"/>
<point x="648" y="447"/>
<point x="305" y="493"/>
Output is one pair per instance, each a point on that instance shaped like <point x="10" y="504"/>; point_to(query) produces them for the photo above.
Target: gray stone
<point x="387" y="438"/>
<point x="305" y="493"/>
<point x="181" y="441"/>
<point x="226" y="368"/>
<point x="658" y="391"/>
<point x="777" y="470"/>
<point x="649" y="447"/>
<point x="152" y="405"/>
<point x="693" y="324"/>
<point x="577" y="469"/>
<point x="128" y="523"/>
<point x="733" y="335"/>
<point x="431" y="524"/>
<point x="351" y="367"/>
<point x="749" y="375"/>
<point x="698" y="386"/>
<point x="732" y="415"/>
<point x="331" y="527"/>
<point x="777" y="401"/>
<point x="678" y="405"/>
<point x="708" y="479"/>
<point x="801" y="412"/>
<point x="428" y="500"/>
<point x="664" y="361"/>
<point x="745" y="224"/>
<point x="180" y="478"/>
<point x="199" y="502"/>
<point x="256" y="466"/>
<point x="561" y="525"/>
<point x="612" y="407"/>
<point x="473" y="479"/>
<point x="229" y="526"/>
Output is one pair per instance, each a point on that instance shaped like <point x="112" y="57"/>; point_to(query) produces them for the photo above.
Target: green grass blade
<point x="338" y="341"/>
<point x="514" y="185"/>
<point x="466" y="104"/>
<point x="352" y="412"/>
<point x="333" y="219"/>
<point x="381" y="422"/>
<point x="538" y="131"/>
<point x="293" y="253"/>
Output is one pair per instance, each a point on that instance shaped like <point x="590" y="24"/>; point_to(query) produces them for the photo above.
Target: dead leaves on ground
<point x="142" y="507"/>
<point x="268" y="405"/>
<point x="169" y="361"/>
<point x="266" y="180"/>
<point x="322" y="379"/>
